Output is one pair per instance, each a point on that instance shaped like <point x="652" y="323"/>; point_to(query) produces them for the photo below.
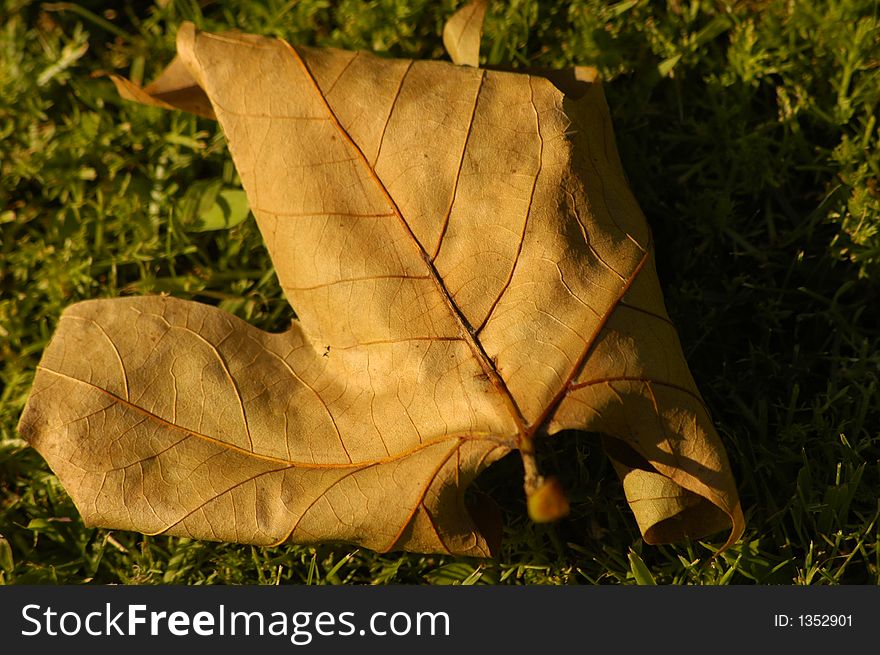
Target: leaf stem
<point x="545" y="497"/>
<point x="532" y="476"/>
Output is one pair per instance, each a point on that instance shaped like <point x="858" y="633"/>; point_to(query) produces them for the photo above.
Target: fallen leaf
<point x="462" y="32"/>
<point x="470" y="272"/>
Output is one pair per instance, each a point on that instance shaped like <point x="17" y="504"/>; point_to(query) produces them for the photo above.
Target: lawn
<point x="748" y="131"/>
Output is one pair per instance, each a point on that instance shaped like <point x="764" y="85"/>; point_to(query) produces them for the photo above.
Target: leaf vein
<point x="522" y="236"/>
<point x="452" y="199"/>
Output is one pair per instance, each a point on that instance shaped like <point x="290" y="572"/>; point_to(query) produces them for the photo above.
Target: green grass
<point x="748" y="131"/>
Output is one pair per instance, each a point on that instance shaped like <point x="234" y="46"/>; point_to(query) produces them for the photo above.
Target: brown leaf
<point x="470" y="272"/>
<point x="173" y="89"/>
<point x="462" y="32"/>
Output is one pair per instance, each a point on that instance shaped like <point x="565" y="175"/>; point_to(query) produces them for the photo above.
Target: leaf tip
<point x="185" y="33"/>
<point x="462" y="33"/>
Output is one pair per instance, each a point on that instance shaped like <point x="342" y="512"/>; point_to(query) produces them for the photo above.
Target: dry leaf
<point x="462" y="32"/>
<point x="470" y="272"/>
